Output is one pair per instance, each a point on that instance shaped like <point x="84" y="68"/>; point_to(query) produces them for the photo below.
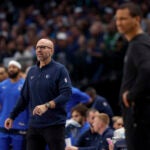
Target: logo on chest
<point x="32" y="77"/>
<point x="19" y="87"/>
<point x="47" y="76"/>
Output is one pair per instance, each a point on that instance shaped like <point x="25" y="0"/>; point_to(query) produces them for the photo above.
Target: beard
<point x="13" y="75"/>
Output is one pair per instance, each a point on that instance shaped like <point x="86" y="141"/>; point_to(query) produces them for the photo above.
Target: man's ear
<point x="52" y="51"/>
<point x="138" y="18"/>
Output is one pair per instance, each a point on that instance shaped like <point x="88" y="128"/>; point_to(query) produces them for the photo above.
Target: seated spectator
<point x="119" y="135"/>
<point x="100" y="126"/>
<point x="78" y="124"/>
<point x="118" y="140"/>
<point x="89" y="137"/>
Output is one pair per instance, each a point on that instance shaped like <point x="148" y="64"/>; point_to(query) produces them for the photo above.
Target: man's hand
<point x="40" y="109"/>
<point x="8" y="123"/>
<point x="125" y="100"/>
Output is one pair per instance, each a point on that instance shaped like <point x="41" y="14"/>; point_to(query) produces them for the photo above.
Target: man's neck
<point x="134" y="33"/>
<point x="44" y="63"/>
<point x="102" y="130"/>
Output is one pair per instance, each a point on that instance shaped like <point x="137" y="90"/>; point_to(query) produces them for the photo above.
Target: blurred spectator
<point x="89" y="137"/>
<point x="101" y="126"/>
<point x="3" y="52"/>
<point x="94" y="60"/>
<point x="78" y="124"/>
<point x="3" y="73"/>
<point x="117" y="122"/>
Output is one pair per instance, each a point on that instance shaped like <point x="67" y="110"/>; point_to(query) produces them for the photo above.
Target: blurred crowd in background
<point x="84" y="33"/>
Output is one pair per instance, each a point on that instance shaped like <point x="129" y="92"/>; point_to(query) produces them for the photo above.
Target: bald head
<point x="48" y="42"/>
<point x="44" y="51"/>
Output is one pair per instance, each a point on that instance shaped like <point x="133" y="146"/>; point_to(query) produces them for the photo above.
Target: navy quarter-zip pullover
<point x="50" y="82"/>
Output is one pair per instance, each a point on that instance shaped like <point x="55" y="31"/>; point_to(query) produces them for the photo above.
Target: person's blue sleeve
<point x="83" y="97"/>
<point x="80" y="96"/>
